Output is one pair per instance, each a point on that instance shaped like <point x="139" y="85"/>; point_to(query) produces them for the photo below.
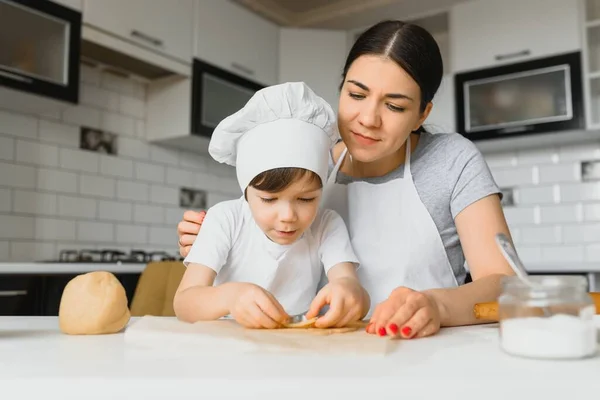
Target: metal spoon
<point x="510" y="254"/>
<point x="297" y="318"/>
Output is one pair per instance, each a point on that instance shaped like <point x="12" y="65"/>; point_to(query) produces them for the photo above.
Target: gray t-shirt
<point x="449" y="173"/>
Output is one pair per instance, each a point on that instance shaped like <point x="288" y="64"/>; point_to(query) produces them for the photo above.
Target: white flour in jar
<point x="559" y="336"/>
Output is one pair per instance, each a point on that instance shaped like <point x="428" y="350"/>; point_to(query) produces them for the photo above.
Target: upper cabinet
<point x="314" y="56"/>
<point x="165" y="27"/>
<point x="237" y="40"/>
<point x="489" y="32"/>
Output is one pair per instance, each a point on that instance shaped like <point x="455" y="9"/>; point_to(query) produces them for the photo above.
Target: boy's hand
<point x="347" y="299"/>
<point x="254" y="307"/>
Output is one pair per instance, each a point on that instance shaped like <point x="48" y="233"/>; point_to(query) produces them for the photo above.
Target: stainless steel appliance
<point x="541" y="95"/>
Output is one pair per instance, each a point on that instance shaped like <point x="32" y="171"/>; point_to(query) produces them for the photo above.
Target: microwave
<point x="39" y="53"/>
<point x="216" y="94"/>
<point x="536" y="96"/>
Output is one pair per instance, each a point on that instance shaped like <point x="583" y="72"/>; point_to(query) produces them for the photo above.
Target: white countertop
<point x="458" y="363"/>
<point x="68" y="268"/>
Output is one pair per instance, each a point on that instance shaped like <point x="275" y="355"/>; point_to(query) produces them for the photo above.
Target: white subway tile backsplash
<point x="17" y="176"/>
<point x="560" y="214"/>
<point x="587" y="151"/>
<point x="19" y="125"/>
<point x="56" y="181"/>
<point x="513" y="177"/>
<point x="581" y="233"/>
<point x="179" y="177"/>
<point x="32" y="251"/>
<point x="140" y="129"/>
<point x="59" y="133"/>
<point x="79" y="160"/>
<point x="115" y="210"/>
<point x="16" y="227"/>
<point x="138" y="90"/>
<point x="37" y="153"/>
<point x="592" y="253"/>
<point x="540" y="234"/>
<point x="148" y="214"/>
<point x="215" y="198"/>
<point x="499" y="160"/>
<point x="192" y="161"/>
<point x="119" y="124"/>
<point x="220" y="169"/>
<point x="161" y="236"/>
<point x="515" y="216"/>
<point x="7" y="148"/>
<point x="149" y="172"/>
<point x="133" y="107"/>
<point x="129" y="190"/>
<point x="30" y="202"/>
<point x="570" y="172"/>
<point x="529" y="254"/>
<point x="116" y="83"/>
<point x="94" y="96"/>
<point x="134" y="148"/>
<point x="591" y="212"/>
<point x="585" y="191"/>
<point x="117" y="167"/>
<point x="535" y="195"/>
<point x="95" y="231"/>
<point x="82" y="115"/>
<point x="540" y="156"/>
<point x="164" y="195"/>
<point x="4" y="250"/>
<point x="562" y="254"/>
<point x="173" y="215"/>
<point x="89" y="74"/>
<point x="5" y="200"/>
<point x="54" y="229"/>
<point x="78" y="207"/>
<point x="132" y="234"/>
<point x="97" y="186"/>
<point x="164" y="155"/>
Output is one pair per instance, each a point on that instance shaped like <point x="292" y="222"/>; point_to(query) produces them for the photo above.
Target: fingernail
<point x="406" y="331"/>
<point x="394" y="328"/>
<point x="382" y="331"/>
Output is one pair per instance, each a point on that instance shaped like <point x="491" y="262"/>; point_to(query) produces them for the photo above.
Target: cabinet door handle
<point x="241" y="68"/>
<point x="147" y="38"/>
<point x="15" y="77"/>
<point x="12" y="293"/>
<point x="522" y="53"/>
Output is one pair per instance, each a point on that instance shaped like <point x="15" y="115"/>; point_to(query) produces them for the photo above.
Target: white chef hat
<point x="285" y="125"/>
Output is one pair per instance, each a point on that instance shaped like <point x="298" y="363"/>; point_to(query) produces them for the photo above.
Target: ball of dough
<point x="92" y="304"/>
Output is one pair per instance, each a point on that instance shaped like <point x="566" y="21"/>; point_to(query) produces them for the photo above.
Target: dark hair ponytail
<point x="410" y="46"/>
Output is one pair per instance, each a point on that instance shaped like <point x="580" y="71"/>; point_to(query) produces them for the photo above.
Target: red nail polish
<point x="382" y="331"/>
<point x="394" y="328"/>
<point x="406" y="331"/>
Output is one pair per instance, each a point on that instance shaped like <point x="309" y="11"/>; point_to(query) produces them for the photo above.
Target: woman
<point x="417" y="205"/>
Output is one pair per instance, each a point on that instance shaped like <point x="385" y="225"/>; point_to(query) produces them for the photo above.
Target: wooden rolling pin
<point x="489" y="311"/>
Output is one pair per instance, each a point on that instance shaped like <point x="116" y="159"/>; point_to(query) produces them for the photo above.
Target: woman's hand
<point x="347" y="299"/>
<point x="407" y="314"/>
<point x="254" y="307"/>
<point x="188" y="229"/>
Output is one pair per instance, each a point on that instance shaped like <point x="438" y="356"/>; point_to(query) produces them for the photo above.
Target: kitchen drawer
<point x="20" y="295"/>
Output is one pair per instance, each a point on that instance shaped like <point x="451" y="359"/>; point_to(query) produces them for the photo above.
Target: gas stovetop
<point x="112" y="256"/>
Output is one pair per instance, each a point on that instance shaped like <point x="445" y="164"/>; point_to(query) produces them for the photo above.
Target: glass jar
<point x="552" y="319"/>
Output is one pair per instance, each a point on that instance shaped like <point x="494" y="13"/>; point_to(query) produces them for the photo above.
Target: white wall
<point x="55" y="196"/>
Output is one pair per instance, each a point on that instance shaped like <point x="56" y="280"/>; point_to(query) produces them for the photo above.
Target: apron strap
<point x="336" y="168"/>
<point x="407" y="173"/>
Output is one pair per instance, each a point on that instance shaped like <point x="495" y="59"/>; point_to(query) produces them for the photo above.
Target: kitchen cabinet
<point x="487" y="33"/>
<point x="442" y="116"/>
<point x="591" y="37"/>
<point x="237" y="40"/>
<point x="314" y="56"/>
<point x="165" y="27"/>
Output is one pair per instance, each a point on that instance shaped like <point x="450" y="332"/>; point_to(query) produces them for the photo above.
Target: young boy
<point x="259" y="258"/>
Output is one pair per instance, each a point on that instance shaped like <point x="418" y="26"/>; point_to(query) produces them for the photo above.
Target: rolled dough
<point x="92" y="304"/>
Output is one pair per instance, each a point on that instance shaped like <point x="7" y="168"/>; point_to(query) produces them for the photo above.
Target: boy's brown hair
<point x="278" y="179"/>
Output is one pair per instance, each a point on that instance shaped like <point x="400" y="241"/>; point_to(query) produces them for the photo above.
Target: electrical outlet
<point x="590" y="170"/>
<point x="192" y="199"/>
<point x="508" y="197"/>
<point x="97" y="140"/>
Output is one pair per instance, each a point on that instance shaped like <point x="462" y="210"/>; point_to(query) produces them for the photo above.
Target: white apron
<point x="393" y="235"/>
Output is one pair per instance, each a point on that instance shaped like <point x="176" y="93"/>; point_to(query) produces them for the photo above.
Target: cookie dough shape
<point x="94" y="303"/>
<point x="309" y="323"/>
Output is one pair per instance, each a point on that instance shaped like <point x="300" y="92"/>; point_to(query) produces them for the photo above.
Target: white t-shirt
<point x="231" y="243"/>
